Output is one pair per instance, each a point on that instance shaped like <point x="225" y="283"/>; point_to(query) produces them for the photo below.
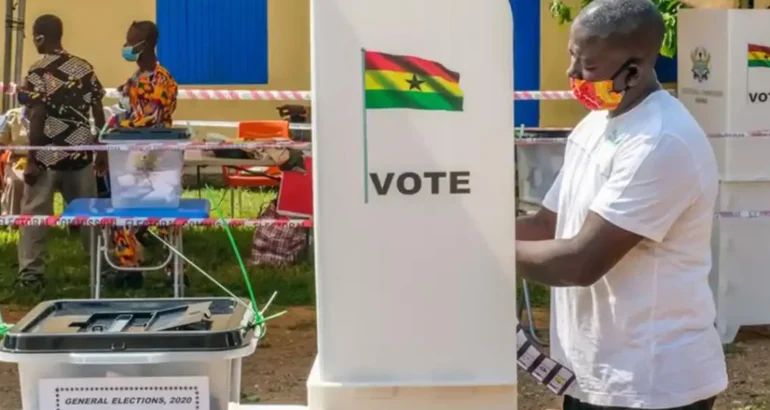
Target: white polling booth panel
<point x="724" y="80"/>
<point x="414" y="204"/>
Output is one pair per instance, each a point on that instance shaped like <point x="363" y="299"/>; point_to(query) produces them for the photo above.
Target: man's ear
<point x="632" y="75"/>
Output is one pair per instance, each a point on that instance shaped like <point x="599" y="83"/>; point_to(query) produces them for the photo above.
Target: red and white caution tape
<point x="232" y="124"/>
<point x="273" y="95"/>
<point x="540" y="141"/>
<point x="48" y="220"/>
<point x="233" y="95"/>
<point x="743" y="214"/>
<point x="216" y="95"/>
<point x="177" y="146"/>
<point x="550" y="141"/>
<point x="543" y="95"/>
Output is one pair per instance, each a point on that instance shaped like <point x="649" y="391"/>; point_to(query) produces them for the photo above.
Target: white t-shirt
<point x="643" y="336"/>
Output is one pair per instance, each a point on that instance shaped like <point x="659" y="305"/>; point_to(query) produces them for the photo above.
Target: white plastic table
<point x="99" y="241"/>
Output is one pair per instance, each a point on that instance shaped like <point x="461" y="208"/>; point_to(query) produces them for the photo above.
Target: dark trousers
<point x="574" y="404"/>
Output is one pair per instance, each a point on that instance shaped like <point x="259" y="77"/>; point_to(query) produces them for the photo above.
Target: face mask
<point x="129" y="54"/>
<point x="23" y="99"/>
<point x="598" y="95"/>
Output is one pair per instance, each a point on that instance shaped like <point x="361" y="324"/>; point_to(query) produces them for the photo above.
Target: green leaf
<point x="668" y="8"/>
<point x="561" y="12"/>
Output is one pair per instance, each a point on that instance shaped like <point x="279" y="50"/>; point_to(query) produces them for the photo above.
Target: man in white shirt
<point x="624" y="234"/>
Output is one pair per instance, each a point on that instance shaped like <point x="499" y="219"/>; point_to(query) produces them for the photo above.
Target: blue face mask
<point x="129" y="54"/>
<point x="23" y="99"/>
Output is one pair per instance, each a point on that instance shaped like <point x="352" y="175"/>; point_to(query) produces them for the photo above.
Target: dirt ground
<point x="276" y="374"/>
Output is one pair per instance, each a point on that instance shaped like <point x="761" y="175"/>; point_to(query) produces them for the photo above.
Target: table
<point x="99" y="241"/>
<point x="201" y="159"/>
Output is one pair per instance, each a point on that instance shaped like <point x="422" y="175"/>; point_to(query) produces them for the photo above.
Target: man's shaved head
<point x="49" y="26"/>
<point x="628" y="23"/>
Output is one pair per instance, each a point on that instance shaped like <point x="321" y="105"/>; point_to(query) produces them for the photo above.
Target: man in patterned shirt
<point x="149" y="98"/>
<point x="61" y="92"/>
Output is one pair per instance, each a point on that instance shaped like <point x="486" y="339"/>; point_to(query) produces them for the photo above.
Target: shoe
<point x="113" y="279"/>
<point x="31" y="281"/>
<point x="134" y="280"/>
<point x="143" y="237"/>
<point x="122" y="280"/>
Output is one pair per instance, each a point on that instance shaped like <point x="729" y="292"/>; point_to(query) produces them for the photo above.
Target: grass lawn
<point x="67" y="263"/>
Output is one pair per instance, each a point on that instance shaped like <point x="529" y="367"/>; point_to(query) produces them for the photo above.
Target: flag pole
<point x="366" y="142"/>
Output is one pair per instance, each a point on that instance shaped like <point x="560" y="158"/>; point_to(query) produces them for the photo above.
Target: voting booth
<point x="724" y="80"/>
<point x="413" y="202"/>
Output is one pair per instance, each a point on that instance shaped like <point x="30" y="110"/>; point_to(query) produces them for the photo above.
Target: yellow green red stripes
<point x="394" y="81"/>
<point x="759" y="56"/>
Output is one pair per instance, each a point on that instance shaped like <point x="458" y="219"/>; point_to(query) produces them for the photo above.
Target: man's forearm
<point x="550" y="262"/>
<point x="37" y="125"/>
<point x="36" y="134"/>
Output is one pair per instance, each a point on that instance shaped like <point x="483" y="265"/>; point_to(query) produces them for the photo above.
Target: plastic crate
<point x="146" y="179"/>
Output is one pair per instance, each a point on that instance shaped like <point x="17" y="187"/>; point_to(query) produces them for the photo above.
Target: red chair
<point x="244" y="176"/>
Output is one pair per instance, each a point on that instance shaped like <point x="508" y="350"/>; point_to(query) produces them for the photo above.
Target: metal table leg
<point x="177" y="269"/>
<point x="98" y="264"/>
<point x="530" y="315"/>
<point x="198" y="180"/>
<point x="93" y="253"/>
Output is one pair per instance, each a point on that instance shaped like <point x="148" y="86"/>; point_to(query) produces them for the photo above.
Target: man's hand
<point x="31" y="172"/>
<point x="101" y="165"/>
<point x="538" y="227"/>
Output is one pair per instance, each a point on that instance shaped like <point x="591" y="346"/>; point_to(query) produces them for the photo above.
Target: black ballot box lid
<point x="146" y="134"/>
<point x="132" y="326"/>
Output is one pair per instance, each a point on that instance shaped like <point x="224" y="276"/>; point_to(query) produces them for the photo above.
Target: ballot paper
<point x="142" y="188"/>
<point x="545" y="370"/>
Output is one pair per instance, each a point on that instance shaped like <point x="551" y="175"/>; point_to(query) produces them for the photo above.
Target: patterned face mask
<point x="596" y="95"/>
<point x="599" y="95"/>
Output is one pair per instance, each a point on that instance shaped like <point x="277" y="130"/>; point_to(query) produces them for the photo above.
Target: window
<point x="214" y="42"/>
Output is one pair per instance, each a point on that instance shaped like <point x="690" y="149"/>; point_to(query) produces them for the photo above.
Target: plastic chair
<point x="243" y="177"/>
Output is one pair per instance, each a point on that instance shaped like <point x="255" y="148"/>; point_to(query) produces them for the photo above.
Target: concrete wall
<point x="96" y="30"/>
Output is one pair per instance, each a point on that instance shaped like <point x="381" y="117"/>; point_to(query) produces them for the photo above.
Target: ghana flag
<point x="393" y="81"/>
<point x="759" y="56"/>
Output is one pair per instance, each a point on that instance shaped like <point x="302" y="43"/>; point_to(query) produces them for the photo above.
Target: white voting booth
<point x="413" y="207"/>
<point x="727" y="88"/>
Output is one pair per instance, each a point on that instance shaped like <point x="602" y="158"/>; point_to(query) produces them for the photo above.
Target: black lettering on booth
<point x="412" y="183"/>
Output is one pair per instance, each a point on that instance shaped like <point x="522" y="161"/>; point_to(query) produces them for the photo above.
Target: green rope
<point x="259" y="320"/>
<point x="242" y="265"/>
<point x="4" y="327"/>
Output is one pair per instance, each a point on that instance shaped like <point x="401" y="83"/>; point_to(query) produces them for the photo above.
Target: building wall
<point x="554" y="61"/>
<point x="96" y="30"/>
